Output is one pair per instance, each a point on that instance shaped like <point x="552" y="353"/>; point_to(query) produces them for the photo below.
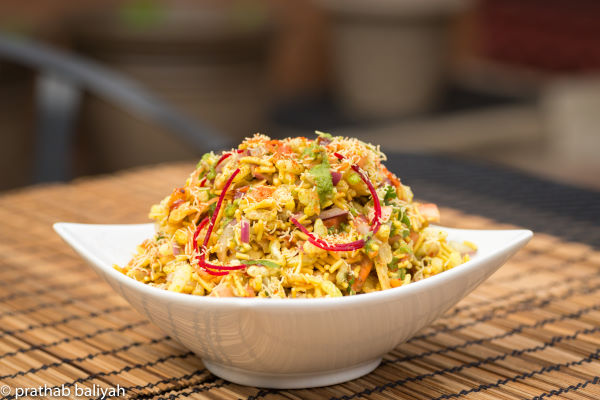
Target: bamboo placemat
<point x="531" y="331"/>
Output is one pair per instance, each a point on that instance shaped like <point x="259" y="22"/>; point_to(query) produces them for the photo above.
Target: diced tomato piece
<point x="396" y="282"/>
<point x="430" y="212"/>
<point x="414" y="236"/>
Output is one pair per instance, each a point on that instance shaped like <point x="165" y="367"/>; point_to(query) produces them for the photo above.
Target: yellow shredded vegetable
<point x="293" y="218"/>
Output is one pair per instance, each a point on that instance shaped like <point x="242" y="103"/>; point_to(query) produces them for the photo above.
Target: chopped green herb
<point x="212" y="208"/>
<point x="205" y="157"/>
<point x="324" y="134"/>
<point x="230" y="210"/>
<point x="225" y="221"/>
<point x="350" y="283"/>
<point x="265" y="263"/>
<point x="404" y="249"/>
<point x="371" y="246"/>
<point x="405" y="233"/>
<point x="312" y="150"/>
<point x="211" y="173"/>
<point x="401" y="273"/>
<point x="404" y="219"/>
<point x="393" y="265"/>
<point x="390" y="194"/>
<point x="322" y="175"/>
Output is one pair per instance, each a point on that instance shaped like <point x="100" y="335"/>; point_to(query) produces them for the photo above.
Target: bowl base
<point x="290" y="381"/>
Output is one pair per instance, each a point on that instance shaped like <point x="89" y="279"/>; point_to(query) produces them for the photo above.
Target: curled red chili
<point x="358" y="244"/>
<point x="221" y="269"/>
<point x="376" y="222"/>
<point x="321" y="243"/>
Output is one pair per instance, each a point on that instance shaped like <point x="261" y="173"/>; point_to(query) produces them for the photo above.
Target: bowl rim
<point x="520" y="239"/>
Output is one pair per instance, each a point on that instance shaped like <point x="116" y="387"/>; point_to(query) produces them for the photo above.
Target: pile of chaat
<point x="293" y="218"/>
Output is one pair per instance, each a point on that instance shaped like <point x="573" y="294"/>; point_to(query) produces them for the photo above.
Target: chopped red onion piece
<point x="238" y="194"/>
<point x="245" y="231"/>
<point x="258" y="175"/>
<point x="332" y="213"/>
<point x="335" y="177"/>
<point x="176" y="249"/>
<point x="323" y="141"/>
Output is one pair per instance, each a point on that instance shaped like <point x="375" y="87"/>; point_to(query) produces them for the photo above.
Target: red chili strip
<point x="227" y="155"/>
<point x="213" y="219"/>
<point x="201" y="258"/>
<point x="198" y="229"/>
<point x="376" y="222"/>
<point x="223" y="267"/>
<point x="215" y="273"/>
<point x="351" y="246"/>
<point x="223" y="158"/>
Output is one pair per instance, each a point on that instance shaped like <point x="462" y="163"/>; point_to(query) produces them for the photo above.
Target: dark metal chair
<point x="60" y="81"/>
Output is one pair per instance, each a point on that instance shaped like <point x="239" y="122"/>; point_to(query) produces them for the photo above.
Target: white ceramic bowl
<point x="291" y="343"/>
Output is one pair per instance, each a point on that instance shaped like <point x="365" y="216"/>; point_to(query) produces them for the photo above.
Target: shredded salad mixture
<point x="293" y="218"/>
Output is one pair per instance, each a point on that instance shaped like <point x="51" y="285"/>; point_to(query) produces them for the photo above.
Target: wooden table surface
<point x="531" y="331"/>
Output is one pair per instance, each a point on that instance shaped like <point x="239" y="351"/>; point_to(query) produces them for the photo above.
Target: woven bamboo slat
<point x="531" y="331"/>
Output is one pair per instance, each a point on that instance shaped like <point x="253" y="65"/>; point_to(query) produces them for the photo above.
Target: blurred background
<point x="511" y="82"/>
